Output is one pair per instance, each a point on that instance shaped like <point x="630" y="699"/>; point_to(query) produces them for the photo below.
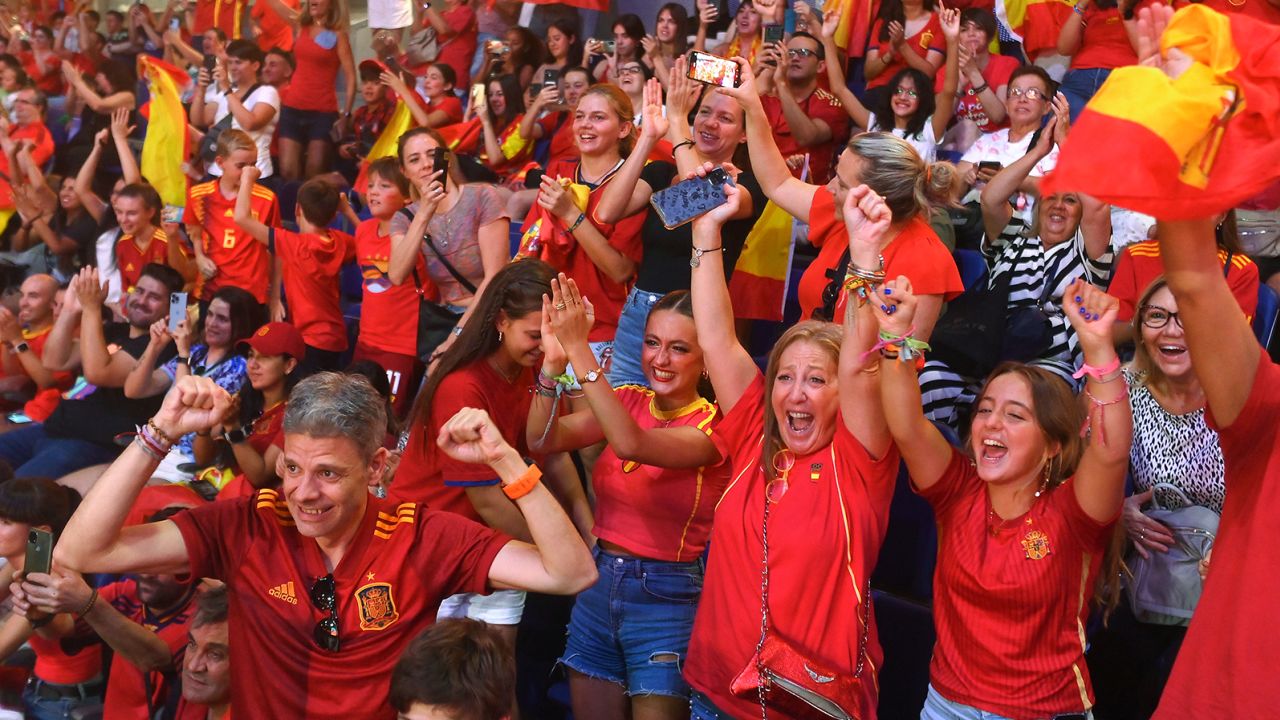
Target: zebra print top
<point x="1181" y="450"/>
<point x="1032" y="265"/>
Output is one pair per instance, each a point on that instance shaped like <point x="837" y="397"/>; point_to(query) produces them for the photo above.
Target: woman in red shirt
<point x="656" y="485"/>
<point x="906" y="34"/>
<point x="601" y="257"/>
<point x="799" y="528"/>
<point x="1025" y="515"/>
<point x="1099" y="37"/>
<point x="309" y="105"/>
<point x="890" y="167"/>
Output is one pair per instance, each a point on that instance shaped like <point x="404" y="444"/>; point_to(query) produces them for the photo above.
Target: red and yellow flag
<point x="856" y="19"/>
<point x="758" y="286"/>
<point x="386" y="144"/>
<point x="1188" y="147"/>
<point x="166" y="132"/>
<point x="464" y="138"/>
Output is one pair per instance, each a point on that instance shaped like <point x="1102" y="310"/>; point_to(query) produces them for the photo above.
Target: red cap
<point x="278" y="338"/>
<point x="372" y="64"/>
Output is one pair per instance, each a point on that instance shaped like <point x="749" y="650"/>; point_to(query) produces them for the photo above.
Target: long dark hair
<point x="531" y="53"/>
<point x="680" y="15"/>
<point x="927" y="103"/>
<point x="567" y="28"/>
<point x="513" y="94"/>
<point x="516" y="290"/>
<point x="38" y="501"/>
<point x="632" y="27"/>
<point x="891" y="10"/>
<point x="252" y="401"/>
<point x="247" y="315"/>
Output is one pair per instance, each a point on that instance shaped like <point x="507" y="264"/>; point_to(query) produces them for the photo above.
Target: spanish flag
<point x="464" y="138"/>
<point x="385" y="146"/>
<point x="856" y="18"/>
<point x="166" y="145"/>
<point x="545" y="236"/>
<point x="758" y="286"/>
<point x="1036" y="23"/>
<point x="1188" y="147"/>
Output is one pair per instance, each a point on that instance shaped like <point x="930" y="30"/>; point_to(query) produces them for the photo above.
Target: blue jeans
<point x="1080" y="85"/>
<point x="629" y="340"/>
<point x="41" y="708"/>
<point x="32" y="453"/>
<point x="701" y="708"/>
<point x="633" y="626"/>
<point x="937" y="707"/>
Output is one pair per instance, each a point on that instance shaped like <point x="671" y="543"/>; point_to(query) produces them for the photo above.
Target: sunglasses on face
<point x="801" y="52"/>
<point x="1156" y="317"/>
<point x="1029" y="93"/>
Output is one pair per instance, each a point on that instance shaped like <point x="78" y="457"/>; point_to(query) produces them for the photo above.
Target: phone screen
<point x="177" y="310"/>
<point x="39" y="552"/>
<point x="773" y="33"/>
<point x="393" y="65"/>
<point x="690" y="198"/>
<point x="210" y="62"/>
<point x="713" y="70"/>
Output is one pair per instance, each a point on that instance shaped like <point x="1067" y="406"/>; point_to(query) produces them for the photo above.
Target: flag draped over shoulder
<point x="464" y="138"/>
<point x="855" y="24"/>
<point x="1036" y="23"/>
<point x="386" y="144"/>
<point x="758" y="286"/>
<point x="166" y="145"/>
<point x="1187" y="147"/>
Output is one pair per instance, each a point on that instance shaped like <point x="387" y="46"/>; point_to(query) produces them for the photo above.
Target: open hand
<point x="572" y="315"/>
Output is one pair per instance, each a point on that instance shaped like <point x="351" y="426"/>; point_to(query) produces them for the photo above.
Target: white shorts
<point x="502" y="607"/>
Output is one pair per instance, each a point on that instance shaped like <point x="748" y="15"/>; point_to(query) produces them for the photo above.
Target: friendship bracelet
<point x="1097" y="372"/>
<point x="1101" y="407"/>
<point x="525" y="484"/>
<point x="576" y="223"/>
<point x="859" y="287"/>
<point x="905" y="347"/>
<point x="686" y="143"/>
<point x="162" y="435"/>
<point x="153" y="452"/>
<point x="93" y="598"/>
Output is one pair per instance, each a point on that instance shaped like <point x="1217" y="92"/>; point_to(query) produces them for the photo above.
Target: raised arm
<point x="243" y="212"/>
<point x="29" y="364"/>
<point x="767" y="163"/>
<point x="733" y="370"/>
<point x="557" y="562"/>
<point x="1071" y="36"/>
<point x="996" y="210"/>
<point x="858" y="112"/>
<point x="61" y="349"/>
<point x="145" y="379"/>
<point x="286" y="13"/>
<point x="945" y="104"/>
<point x="627" y="194"/>
<point x="120" y="132"/>
<point x="407" y="248"/>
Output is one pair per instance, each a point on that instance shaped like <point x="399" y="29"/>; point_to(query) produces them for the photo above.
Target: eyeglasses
<point x="1156" y="317"/>
<point x="801" y="52"/>
<point x="1029" y="93"/>
<point x="629" y="70"/>
<point x="324" y="596"/>
<point x="904" y="91"/>
<point x="783" y="461"/>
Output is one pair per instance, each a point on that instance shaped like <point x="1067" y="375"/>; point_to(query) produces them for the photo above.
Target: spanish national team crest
<point x="1036" y="543"/>
<point x="377" y="607"/>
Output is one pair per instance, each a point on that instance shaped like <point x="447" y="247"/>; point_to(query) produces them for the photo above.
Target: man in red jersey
<point x="28" y="126"/>
<point x="804" y="117"/>
<point x="24" y="336"/>
<point x="327" y="583"/>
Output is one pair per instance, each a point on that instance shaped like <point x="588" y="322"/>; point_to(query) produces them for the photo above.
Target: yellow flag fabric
<point x="855" y="24"/>
<point x="759" y="283"/>
<point x="165" y="147"/>
<point x="386" y="144"/>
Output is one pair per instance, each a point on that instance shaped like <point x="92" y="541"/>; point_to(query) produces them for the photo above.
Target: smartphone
<point x="440" y="161"/>
<point x="551" y="79"/>
<point x="39" y="552"/>
<point x="713" y="70"/>
<point x="210" y="62"/>
<point x="175" y="24"/>
<point x="690" y="198"/>
<point x="18" y="418"/>
<point x="477" y="94"/>
<point x="393" y="65"/>
<point x="773" y="33"/>
<point x="177" y="310"/>
<point x="990" y="165"/>
<point x="171" y="214"/>
<point x="610" y="47"/>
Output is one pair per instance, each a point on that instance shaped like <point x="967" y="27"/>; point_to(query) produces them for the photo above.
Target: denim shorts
<point x="701" y="708"/>
<point x="937" y="707"/>
<point x="628" y="343"/>
<point x="305" y="125"/>
<point x="632" y="626"/>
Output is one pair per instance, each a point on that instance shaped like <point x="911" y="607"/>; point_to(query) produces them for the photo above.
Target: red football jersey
<point x="41" y="405"/>
<point x="1139" y="265"/>
<point x="222" y="14"/>
<point x="388" y="313"/>
<point x="242" y="261"/>
<point x="131" y="259"/>
<point x="402" y="562"/>
<point x="820" y="105"/>
<point x="311" y="266"/>
<point x="127" y="689"/>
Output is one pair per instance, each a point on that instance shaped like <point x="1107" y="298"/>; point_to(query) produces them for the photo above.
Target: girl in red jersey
<point x="309" y="105"/>
<point x="799" y="528"/>
<point x="600" y="257"/>
<point x="1025" y="515"/>
<point x="656" y="486"/>
<point x="388" y="312"/>
<point x="68" y="669"/>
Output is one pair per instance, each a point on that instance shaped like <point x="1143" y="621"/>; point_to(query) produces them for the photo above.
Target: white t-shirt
<point x="925" y="143"/>
<point x="262" y="136"/>
<point x="390" y="14"/>
<point x="996" y="147"/>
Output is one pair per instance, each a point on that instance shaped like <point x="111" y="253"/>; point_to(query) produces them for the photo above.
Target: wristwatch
<point x="236" y="436"/>
<point x="593" y="375"/>
<point x="21" y="346"/>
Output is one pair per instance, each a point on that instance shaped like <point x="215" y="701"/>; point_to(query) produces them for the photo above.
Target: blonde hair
<point x="1144" y="368"/>
<point x="621" y="105"/>
<point x="893" y="169"/>
<point x="823" y="335"/>
<point x="231" y="140"/>
<point x="338" y="17"/>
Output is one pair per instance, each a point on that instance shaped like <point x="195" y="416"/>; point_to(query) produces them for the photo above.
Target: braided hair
<point x="516" y="290"/>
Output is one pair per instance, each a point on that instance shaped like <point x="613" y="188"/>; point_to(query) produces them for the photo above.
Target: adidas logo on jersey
<point x="284" y="591"/>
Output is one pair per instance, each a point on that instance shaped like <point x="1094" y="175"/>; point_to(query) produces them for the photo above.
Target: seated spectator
<point x="310" y="261"/>
<point x="1098" y="37"/>
<point x="909" y="110"/>
<point x="501" y="113"/>
<point x="804" y="118"/>
<point x="55" y="241"/>
<point x="1069" y="240"/>
<point x="564" y="48"/>
<point x="744" y="34"/>
<point x="906" y="33"/>
<point x="443" y="106"/>
<point x="141" y="241"/>
<point x="206" y="663"/>
<point x="233" y="90"/>
<point x="210" y="349"/>
<point x="113" y="89"/>
<point x="334" y="430"/>
<point x="21" y="357"/>
<point x="89" y="184"/>
<point x="277" y="69"/>
<point x="68" y="656"/>
<point x="369" y="120"/>
<point x="454" y="670"/>
<point x="27" y="126"/>
<point x="543" y="120"/>
<point x="144" y="620"/>
<point x="225" y="254"/>
<point x="45" y="66"/>
<point x="82" y="430"/>
<point x="892" y="169"/>
<point x="670" y="40"/>
<point x="520" y="53"/>
<point x="628" y="34"/>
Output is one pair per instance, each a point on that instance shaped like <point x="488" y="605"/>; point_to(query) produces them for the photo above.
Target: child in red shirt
<point x="226" y="254"/>
<point x="310" y="261"/>
<point x="389" y="312"/>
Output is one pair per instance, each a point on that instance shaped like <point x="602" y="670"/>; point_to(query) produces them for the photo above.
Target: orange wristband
<point x="527" y="482"/>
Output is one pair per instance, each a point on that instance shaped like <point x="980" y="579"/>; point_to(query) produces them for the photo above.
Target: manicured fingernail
<point x="888" y="291"/>
<point x="884" y="308"/>
<point x="893" y="309"/>
<point x="1079" y="299"/>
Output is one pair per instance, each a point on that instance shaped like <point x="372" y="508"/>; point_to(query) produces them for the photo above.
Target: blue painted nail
<point x="1079" y="299"/>
<point x="1084" y="312"/>
<point x="888" y="291"/>
<point x="884" y="308"/>
<point x="893" y="309"/>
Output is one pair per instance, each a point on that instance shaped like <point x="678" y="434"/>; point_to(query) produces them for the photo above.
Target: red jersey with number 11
<point x="242" y="261"/>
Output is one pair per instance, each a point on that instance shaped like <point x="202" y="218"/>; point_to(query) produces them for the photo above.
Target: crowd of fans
<point x="312" y="443"/>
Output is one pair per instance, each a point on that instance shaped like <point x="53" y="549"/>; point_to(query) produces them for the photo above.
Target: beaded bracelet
<point x="93" y="598"/>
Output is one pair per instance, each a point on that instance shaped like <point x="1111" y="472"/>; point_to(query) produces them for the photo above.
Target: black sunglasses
<point x="324" y="596"/>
